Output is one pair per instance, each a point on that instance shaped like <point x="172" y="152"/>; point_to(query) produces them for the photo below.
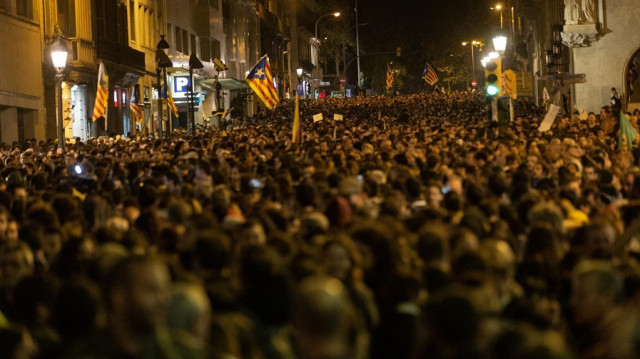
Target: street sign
<point x="474" y="83"/>
<point x="300" y="89"/>
<point x="343" y="80"/>
<point x="181" y="84"/>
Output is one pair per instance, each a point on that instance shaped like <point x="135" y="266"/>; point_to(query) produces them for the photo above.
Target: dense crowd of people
<point x="414" y="227"/>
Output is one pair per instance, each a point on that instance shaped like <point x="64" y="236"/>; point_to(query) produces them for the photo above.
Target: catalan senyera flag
<point x="296" y="133"/>
<point x="260" y="80"/>
<point x="389" y="78"/>
<point x="172" y="105"/>
<point x="102" y="95"/>
<point x="429" y="74"/>
<point x="134" y="108"/>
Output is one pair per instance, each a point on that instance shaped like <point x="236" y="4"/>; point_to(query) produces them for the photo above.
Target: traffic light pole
<point x="494" y="109"/>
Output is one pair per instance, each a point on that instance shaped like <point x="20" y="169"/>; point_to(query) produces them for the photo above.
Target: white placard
<point x="317" y="117"/>
<point x="549" y="118"/>
<point x="337" y="117"/>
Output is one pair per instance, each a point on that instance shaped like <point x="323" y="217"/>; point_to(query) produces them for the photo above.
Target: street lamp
<point x="162" y="62"/>
<point x="472" y="44"/>
<point x="59" y="59"/>
<point x="500" y="44"/>
<point x="317" y="42"/>
<point x="299" y="71"/>
<point x="498" y="7"/>
<point x="194" y="63"/>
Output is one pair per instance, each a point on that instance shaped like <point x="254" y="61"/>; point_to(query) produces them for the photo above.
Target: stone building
<point x="604" y="38"/>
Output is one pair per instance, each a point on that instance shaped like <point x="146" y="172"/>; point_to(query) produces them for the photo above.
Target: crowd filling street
<point x="408" y="226"/>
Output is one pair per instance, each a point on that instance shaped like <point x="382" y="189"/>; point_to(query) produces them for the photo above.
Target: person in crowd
<point x="413" y="228"/>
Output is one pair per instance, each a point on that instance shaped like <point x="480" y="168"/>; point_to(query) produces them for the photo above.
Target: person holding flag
<point x="172" y="104"/>
<point x="429" y="75"/>
<point x="260" y="80"/>
<point x="296" y="133"/>
<point x="102" y="94"/>
<point x="389" y="78"/>
<point x="134" y="107"/>
<point x="627" y="134"/>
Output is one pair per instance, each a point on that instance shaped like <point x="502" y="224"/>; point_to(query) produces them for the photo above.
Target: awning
<point x="227" y="83"/>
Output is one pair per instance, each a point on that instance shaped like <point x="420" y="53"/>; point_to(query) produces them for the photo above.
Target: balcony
<point x="121" y="55"/>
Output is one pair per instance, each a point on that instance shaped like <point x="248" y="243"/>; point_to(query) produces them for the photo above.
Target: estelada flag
<point x="389" y="78"/>
<point x="260" y="80"/>
<point x="134" y="107"/>
<point x="429" y="74"/>
<point x="102" y="95"/>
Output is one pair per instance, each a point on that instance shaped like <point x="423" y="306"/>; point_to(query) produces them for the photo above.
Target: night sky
<point x="426" y="30"/>
<point x="415" y="23"/>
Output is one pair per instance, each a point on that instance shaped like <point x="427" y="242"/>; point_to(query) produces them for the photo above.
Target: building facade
<point x="604" y="37"/>
<point x="21" y="89"/>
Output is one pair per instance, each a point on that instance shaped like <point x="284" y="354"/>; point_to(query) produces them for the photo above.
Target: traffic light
<point x="492" y="75"/>
<point x="398" y="51"/>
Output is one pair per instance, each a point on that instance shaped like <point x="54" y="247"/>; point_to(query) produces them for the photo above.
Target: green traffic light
<point x="492" y="90"/>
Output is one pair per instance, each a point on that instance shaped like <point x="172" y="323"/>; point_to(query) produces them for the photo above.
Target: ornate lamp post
<point x="162" y="62"/>
<point x="59" y="53"/>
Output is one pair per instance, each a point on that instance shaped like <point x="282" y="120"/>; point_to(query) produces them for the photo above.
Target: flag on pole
<point x="260" y="80"/>
<point x="172" y="105"/>
<point x="102" y="95"/>
<point x="389" y="78"/>
<point x="627" y="132"/>
<point x="134" y="107"/>
<point x="429" y="74"/>
<point x="296" y="133"/>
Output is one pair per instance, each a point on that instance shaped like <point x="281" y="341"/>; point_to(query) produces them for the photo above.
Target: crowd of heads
<point x="415" y="227"/>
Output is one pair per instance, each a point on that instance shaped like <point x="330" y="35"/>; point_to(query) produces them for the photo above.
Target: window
<point x="215" y="48"/>
<point x="25" y="8"/>
<point x="178" y="39"/>
<point x="193" y="45"/>
<point x="185" y="42"/>
<point x="152" y="28"/>
<point x="205" y="49"/>
<point x="132" y="20"/>
<point x="66" y="17"/>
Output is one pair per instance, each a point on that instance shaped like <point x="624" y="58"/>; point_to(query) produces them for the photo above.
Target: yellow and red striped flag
<point x="172" y="105"/>
<point x="260" y="80"/>
<point x="389" y="78"/>
<point x="134" y="107"/>
<point x="429" y="75"/>
<point x="296" y="133"/>
<point x="102" y="95"/>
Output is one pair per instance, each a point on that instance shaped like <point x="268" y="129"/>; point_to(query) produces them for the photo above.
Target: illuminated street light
<point x="473" y="43"/>
<point x="317" y="42"/>
<point x="59" y="53"/>
<point x="498" y="7"/>
<point x="500" y="43"/>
